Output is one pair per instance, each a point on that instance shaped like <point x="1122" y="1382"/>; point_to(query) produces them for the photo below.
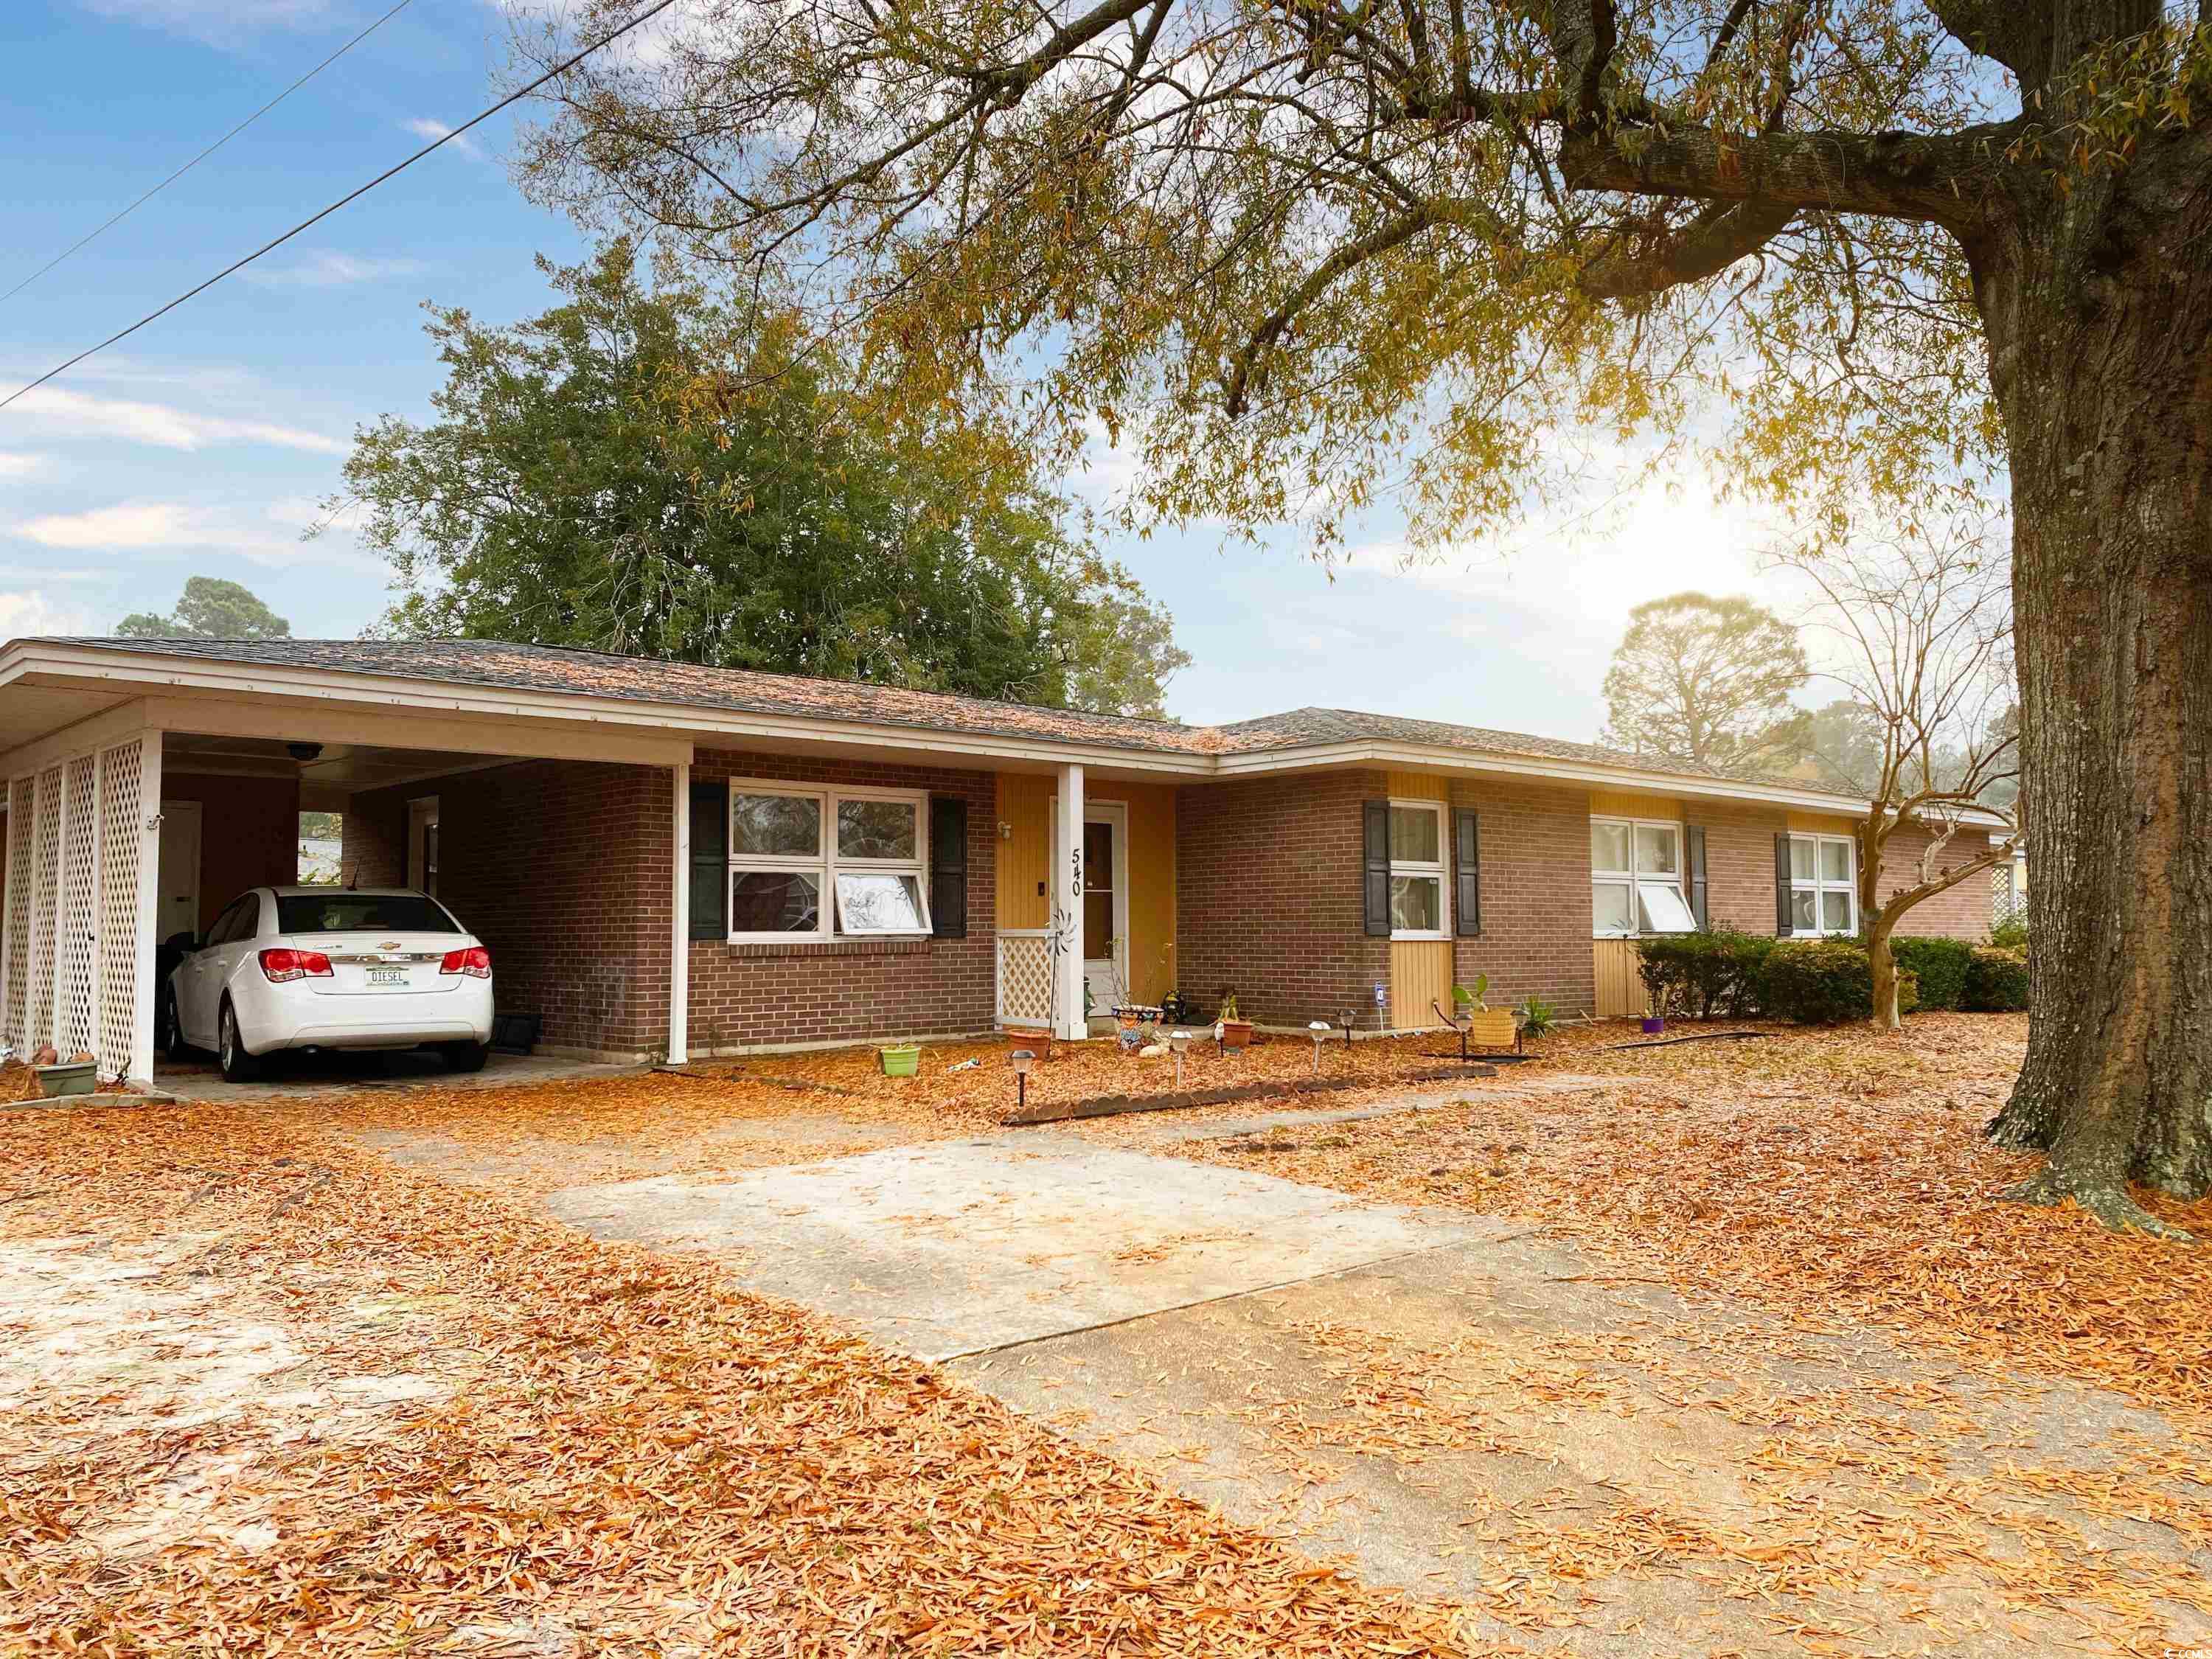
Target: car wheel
<point x="173" y="1029"/>
<point x="465" y="1056"/>
<point x="238" y="1066"/>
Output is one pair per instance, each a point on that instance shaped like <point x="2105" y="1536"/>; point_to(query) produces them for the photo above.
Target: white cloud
<point x="268" y="535"/>
<point x="25" y="614"/>
<point x="62" y="413"/>
<point x="220" y="22"/>
<point x="16" y="465"/>
<point x="328" y="268"/>
<point x="425" y="129"/>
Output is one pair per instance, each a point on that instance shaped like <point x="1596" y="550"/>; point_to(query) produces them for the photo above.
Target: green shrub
<point x="1997" y="983"/>
<point x="1708" y="976"/>
<point x="1825" y="981"/>
<point x="2010" y="934"/>
<point x="1943" y="965"/>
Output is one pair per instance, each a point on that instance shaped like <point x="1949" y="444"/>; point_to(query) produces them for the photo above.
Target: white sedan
<point x="332" y="967"/>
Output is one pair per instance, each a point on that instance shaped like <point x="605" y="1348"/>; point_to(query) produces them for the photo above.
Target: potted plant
<point x="1656" y="1021"/>
<point x="1230" y="1029"/>
<point x="900" y="1059"/>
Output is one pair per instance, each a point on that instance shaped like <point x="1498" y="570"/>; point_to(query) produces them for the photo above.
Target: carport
<point x="143" y="794"/>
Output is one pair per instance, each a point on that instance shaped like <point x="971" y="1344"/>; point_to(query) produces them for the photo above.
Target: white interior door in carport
<point x="179" y="909"/>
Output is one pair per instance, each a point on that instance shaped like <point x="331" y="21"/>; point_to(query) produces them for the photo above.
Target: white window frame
<point x="1421" y="868"/>
<point x="1849" y="886"/>
<point x="1632" y="877"/>
<point x="825" y="864"/>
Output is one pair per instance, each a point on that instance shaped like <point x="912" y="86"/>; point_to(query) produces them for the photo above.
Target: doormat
<point x="1065" y="1111"/>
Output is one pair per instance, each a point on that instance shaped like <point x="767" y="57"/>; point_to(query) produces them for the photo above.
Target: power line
<point x="111" y="224"/>
<point x="519" y="93"/>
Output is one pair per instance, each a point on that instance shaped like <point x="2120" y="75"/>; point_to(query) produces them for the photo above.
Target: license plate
<point x="387" y="977"/>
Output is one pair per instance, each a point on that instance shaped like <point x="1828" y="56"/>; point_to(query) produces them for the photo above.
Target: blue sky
<point x="202" y="445"/>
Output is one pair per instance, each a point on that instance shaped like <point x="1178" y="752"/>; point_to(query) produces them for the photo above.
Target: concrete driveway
<point x="959" y="1247"/>
<point x="1454" y="1403"/>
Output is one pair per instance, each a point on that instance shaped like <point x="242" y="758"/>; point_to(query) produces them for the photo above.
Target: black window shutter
<point x="1782" y="887"/>
<point x="1693" y="842"/>
<point x="1467" y="846"/>
<point x="948" y="866"/>
<point x="1375" y="888"/>
<point x="710" y="860"/>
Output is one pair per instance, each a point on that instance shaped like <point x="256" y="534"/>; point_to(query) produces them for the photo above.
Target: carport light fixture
<point x="304" y="752"/>
<point x="1022" y="1058"/>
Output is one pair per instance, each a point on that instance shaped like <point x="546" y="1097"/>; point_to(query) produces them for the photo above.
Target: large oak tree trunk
<point x="2100" y="330"/>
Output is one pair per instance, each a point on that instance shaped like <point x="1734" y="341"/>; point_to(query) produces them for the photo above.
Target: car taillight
<point x="283" y="963"/>
<point x="475" y="961"/>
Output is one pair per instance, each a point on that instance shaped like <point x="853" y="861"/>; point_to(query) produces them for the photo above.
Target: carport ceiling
<point x="335" y="768"/>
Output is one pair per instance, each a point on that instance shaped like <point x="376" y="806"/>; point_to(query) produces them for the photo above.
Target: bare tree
<point x="1923" y="630"/>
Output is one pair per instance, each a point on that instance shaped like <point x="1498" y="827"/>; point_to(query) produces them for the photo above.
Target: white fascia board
<point x="150" y="673"/>
<point x="1411" y="757"/>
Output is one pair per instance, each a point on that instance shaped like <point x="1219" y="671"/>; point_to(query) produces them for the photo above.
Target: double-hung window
<point x="1823" y="885"/>
<point x="1418" y="904"/>
<point x="820" y="863"/>
<point x="1635" y="878"/>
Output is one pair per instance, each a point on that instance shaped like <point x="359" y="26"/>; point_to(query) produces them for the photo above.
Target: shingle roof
<point x="496" y="663"/>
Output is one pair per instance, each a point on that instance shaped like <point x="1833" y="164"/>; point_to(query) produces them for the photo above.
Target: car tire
<point x="238" y="1066"/>
<point x="465" y="1056"/>
<point x="173" y="1029"/>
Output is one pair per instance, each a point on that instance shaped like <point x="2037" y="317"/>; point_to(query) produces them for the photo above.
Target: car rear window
<point x="346" y="913"/>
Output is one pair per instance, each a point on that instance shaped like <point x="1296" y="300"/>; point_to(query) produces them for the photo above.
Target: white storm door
<point x="179" y="905"/>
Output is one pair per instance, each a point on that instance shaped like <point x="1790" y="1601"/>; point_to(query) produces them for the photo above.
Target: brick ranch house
<point x="667" y="858"/>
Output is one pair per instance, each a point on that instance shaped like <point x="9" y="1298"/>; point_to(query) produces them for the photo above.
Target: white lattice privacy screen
<point x="78" y="842"/>
<point x="1026" y="977"/>
<point x="122" y="849"/>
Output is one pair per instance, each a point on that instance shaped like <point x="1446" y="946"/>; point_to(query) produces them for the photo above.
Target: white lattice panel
<point x="122" y="845"/>
<point x="45" y="878"/>
<point x="79" y="1024"/>
<point x="22" y="835"/>
<point x="1025" y="978"/>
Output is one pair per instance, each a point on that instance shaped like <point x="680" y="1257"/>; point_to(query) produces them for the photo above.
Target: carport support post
<point x="1067" y="909"/>
<point x="679" y="922"/>
<point x="146" y="1007"/>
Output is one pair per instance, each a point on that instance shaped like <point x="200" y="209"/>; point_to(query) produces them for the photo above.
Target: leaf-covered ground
<point x="1838" y="1176"/>
<point x="264" y="1391"/>
<point x="266" y="1394"/>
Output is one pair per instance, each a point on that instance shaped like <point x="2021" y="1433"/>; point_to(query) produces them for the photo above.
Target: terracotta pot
<point x="1235" y="1033"/>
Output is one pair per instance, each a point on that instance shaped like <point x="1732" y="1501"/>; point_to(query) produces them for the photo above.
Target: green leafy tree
<point x="1707" y="681"/>
<point x="209" y="609"/>
<point x="1299" y="256"/>
<point x="644" y="470"/>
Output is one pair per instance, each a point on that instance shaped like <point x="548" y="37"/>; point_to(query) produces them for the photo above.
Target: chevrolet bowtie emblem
<point x="389" y="944"/>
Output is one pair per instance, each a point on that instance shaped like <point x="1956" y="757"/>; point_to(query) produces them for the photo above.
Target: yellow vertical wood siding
<point x="1626" y="804"/>
<point x="1421" y="975"/>
<point x="1620" y="993"/>
<point x="1419" y="786"/>
<point x="1821" y="824"/>
<point x="1024" y="867"/>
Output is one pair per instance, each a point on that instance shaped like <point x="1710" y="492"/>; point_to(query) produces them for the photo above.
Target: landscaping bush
<point x="1943" y="965"/>
<point x="1825" y="981"/>
<point x="1717" y="974"/>
<point x="1996" y="982"/>
<point x="2010" y="934"/>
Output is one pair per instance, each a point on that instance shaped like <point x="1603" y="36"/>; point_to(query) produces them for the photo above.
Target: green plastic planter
<point x="55" y="1081"/>
<point x="902" y="1060"/>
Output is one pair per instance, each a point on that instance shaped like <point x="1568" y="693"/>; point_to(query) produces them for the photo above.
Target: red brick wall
<point x="561" y="868"/>
<point x="1739" y="862"/>
<point x="855" y="990"/>
<point x="1964" y="912"/>
<point x="1535" y="937"/>
<point x="249" y="834"/>
<point x="1268" y="896"/>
